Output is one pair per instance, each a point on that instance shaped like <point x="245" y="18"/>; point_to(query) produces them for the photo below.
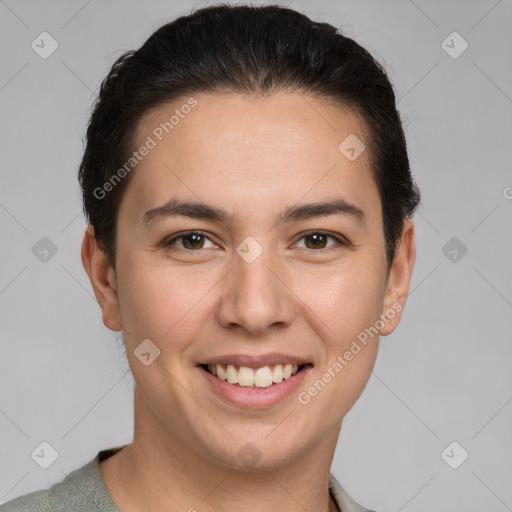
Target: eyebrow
<point x="193" y="210"/>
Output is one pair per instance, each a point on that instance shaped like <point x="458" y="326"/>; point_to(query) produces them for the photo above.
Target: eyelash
<point x="340" y="241"/>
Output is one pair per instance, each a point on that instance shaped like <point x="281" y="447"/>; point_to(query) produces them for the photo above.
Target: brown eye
<point x="192" y="240"/>
<point x="317" y="240"/>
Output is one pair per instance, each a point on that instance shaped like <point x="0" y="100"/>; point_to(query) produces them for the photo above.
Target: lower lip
<point x="255" y="398"/>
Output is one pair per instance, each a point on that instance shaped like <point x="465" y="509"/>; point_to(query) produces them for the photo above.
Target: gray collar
<point x="92" y="488"/>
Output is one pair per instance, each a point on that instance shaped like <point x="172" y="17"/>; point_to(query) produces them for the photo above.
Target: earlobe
<point x="102" y="278"/>
<point x="399" y="279"/>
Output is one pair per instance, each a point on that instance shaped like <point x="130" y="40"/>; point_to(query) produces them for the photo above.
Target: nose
<point x="256" y="296"/>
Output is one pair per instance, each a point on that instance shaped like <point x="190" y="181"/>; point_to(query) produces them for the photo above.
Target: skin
<point x="253" y="157"/>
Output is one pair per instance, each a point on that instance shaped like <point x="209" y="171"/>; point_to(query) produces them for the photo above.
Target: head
<point x="248" y="192"/>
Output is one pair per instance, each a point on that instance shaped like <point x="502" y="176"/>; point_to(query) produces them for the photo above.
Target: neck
<point x="156" y="472"/>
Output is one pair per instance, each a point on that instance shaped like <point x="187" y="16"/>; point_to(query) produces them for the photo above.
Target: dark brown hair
<point x="247" y="50"/>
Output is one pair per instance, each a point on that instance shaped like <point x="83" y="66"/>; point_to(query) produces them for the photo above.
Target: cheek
<point x="345" y="381"/>
<point x="348" y="308"/>
<point x="347" y="298"/>
<point x="149" y="299"/>
<point x="161" y="302"/>
<point x="348" y="301"/>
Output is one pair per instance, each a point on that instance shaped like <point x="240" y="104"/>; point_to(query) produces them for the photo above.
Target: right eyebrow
<point x="175" y="207"/>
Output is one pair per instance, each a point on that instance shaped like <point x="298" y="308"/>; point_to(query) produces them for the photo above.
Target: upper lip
<point x="256" y="361"/>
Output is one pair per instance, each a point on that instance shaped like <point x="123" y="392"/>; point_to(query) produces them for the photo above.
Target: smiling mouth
<point x="244" y="376"/>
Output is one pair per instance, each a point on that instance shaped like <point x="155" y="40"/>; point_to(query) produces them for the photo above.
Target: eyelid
<point x="182" y="234"/>
<point x="341" y="241"/>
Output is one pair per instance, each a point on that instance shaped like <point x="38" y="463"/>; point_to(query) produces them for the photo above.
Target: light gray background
<point x="443" y="376"/>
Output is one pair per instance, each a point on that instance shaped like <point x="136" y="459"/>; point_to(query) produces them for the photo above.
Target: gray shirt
<point x="83" y="490"/>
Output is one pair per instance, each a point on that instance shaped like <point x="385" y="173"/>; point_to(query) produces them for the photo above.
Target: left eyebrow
<point x="194" y="210"/>
<point x="312" y="210"/>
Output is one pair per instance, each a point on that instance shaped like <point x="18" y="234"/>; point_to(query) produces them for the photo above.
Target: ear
<point x="103" y="280"/>
<point x="399" y="279"/>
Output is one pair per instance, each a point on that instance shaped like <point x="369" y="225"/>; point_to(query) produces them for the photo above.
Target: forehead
<point x="289" y="121"/>
<point x="247" y="150"/>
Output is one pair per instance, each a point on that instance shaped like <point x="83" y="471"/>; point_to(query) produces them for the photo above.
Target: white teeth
<point x="245" y="376"/>
<point x="232" y="374"/>
<point x="221" y="373"/>
<point x="263" y="377"/>
<point x="259" y="377"/>
<point x="287" y="371"/>
<point x="277" y="374"/>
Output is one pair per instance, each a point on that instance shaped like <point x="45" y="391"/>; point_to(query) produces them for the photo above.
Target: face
<point x="250" y="273"/>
